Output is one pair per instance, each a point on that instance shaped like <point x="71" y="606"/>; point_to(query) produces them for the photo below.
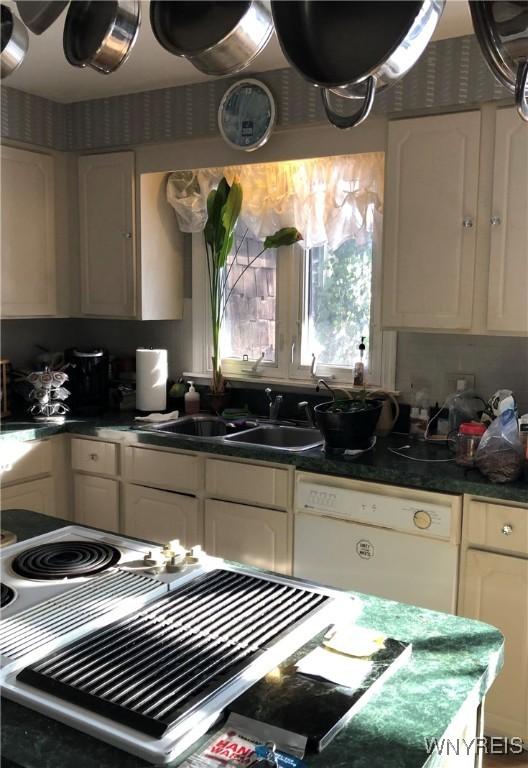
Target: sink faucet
<point x="309" y="416"/>
<point x="322" y="383"/>
<point x="274" y="404"/>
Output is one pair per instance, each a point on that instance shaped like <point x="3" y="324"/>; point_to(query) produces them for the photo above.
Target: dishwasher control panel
<point x="421" y="517"/>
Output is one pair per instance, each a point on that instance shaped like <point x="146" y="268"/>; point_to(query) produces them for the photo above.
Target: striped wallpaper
<point x="451" y="74"/>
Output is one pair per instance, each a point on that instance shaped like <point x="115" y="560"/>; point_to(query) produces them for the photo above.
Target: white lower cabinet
<point x="249" y="535"/>
<point x="35" y="495"/>
<point x="495" y="591"/>
<point x="96" y="501"/>
<point x="161" y="516"/>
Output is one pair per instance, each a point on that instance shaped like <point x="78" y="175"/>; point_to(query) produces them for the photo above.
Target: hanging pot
<point x="15" y="41"/>
<point x="218" y="38"/>
<point x="352" y="48"/>
<point x="100" y="34"/>
<point x="39" y="16"/>
<point x="502" y="31"/>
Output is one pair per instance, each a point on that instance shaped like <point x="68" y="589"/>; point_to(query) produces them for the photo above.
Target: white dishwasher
<point x="386" y="544"/>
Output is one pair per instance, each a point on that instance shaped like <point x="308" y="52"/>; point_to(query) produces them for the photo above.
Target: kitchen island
<point x="438" y="693"/>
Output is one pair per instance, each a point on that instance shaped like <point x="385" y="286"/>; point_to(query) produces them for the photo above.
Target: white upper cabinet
<point x="28" y="234"/>
<point x="430" y="222"/>
<point x="508" y="273"/>
<point x="131" y="248"/>
<point x="106" y="203"/>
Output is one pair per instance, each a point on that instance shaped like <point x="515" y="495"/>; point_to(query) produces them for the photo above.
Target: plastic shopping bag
<point x="500" y="455"/>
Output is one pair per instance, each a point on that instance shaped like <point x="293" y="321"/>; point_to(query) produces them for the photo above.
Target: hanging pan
<point x="39" y="16"/>
<point x="502" y="31"/>
<point x="351" y="48"/>
<point x="15" y="41"/>
<point x="100" y="34"/>
<point x="218" y="38"/>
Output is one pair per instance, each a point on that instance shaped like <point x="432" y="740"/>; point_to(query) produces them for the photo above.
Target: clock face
<point x="246" y="115"/>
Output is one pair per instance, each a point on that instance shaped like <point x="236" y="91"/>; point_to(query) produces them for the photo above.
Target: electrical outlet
<point x="458" y="382"/>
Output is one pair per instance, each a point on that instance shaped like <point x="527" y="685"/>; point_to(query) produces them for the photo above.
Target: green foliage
<point x="341" y="296"/>
<point x="282" y="237"/>
<point x="223" y="210"/>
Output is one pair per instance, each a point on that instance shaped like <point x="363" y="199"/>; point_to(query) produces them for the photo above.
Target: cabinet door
<point x="430" y="221"/>
<point x="508" y="275"/>
<point x="96" y="502"/>
<point x="106" y="203"/>
<point x="248" y="535"/>
<point x="161" y="516"/>
<point x="28" y="234"/>
<point x="37" y="496"/>
<point x="495" y="590"/>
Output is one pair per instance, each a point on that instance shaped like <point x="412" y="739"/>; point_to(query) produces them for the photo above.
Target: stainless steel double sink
<point x="277" y="436"/>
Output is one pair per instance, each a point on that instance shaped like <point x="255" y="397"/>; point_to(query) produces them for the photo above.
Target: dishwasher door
<point x="399" y="566"/>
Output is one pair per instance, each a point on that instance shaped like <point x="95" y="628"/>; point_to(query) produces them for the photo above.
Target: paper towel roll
<point x="151" y="379"/>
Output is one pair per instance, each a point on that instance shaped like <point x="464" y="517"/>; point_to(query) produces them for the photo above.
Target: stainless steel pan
<point x="351" y="48"/>
<point x="38" y="16"/>
<point x="100" y="34"/>
<point x="15" y="40"/>
<point x="502" y="31"/>
<point x="218" y="38"/>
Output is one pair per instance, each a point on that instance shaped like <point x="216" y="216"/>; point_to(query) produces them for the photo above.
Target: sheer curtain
<point x="328" y="199"/>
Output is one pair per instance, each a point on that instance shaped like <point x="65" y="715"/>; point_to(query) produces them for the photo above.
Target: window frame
<point x="381" y="371"/>
<point x="288" y="368"/>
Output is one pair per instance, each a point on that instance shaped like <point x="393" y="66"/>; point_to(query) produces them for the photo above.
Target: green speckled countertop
<point x="454" y="662"/>
<point x="377" y="465"/>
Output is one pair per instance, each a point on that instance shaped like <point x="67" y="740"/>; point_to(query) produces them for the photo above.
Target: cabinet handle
<point x="495" y="221"/>
<point x="94" y="456"/>
<point x="507" y="529"/>
<point x="292" y="358"/>
<point x="467" y="223"/>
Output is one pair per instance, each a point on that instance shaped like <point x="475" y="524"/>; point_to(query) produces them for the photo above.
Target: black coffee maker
<point x="89" y="380"/>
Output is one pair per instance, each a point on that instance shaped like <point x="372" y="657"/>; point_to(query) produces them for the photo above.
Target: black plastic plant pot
<point x="347" y="425"/>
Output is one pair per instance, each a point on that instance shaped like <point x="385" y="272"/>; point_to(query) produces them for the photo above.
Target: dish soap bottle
<point x="359" y="367"/>
<point x="192" y="400"/>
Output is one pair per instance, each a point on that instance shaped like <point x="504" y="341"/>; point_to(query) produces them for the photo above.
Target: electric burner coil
<point x="65" y="560"/>
<point x="7" y="595"/>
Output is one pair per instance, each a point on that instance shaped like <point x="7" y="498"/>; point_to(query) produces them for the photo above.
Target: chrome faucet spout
<point x="274" y="404"/>
<point x="323" y="383"/>
<point x="304" y="405"/>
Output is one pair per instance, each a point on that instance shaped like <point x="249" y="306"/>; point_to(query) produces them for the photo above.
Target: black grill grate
<point x="146" y="670"/>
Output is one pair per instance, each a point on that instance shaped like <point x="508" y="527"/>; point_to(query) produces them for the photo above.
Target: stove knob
<point x="422" y="519"/>
<point x="175" y="564"/>
<point x="149" y="559"/>
<point x="194" y="555"/>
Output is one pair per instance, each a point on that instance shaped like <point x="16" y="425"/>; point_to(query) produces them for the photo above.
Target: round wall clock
<point x="246" y="115"/>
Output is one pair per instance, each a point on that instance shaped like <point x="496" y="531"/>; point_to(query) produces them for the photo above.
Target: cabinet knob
<point x="507" y="529"/>
<point x="127" y="235"/>
<point x="94" y="456"/>
<point x="467" y="223"/>
<point x="495" y="221"/>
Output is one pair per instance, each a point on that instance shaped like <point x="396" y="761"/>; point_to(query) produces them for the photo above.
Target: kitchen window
<point x="299" y="313"/>
<point x="250" y="326"/>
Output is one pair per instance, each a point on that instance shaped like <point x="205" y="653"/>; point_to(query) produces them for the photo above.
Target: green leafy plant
<point x="223" y="210"/>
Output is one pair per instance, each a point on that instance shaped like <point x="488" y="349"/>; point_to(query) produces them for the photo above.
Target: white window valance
<point x="328" y="199"/>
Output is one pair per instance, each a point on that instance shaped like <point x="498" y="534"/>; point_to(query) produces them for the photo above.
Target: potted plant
<point x="223" y="210"/>
<point x="348" y="424"/>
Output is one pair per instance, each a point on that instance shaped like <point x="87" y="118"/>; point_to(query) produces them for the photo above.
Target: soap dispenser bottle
<point x="192" y="400"/>
<point x="359" y="367"/>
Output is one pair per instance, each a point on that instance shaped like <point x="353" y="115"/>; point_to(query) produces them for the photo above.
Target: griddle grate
<point x="147" y="669"/>
<point x="28" y="630"/>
